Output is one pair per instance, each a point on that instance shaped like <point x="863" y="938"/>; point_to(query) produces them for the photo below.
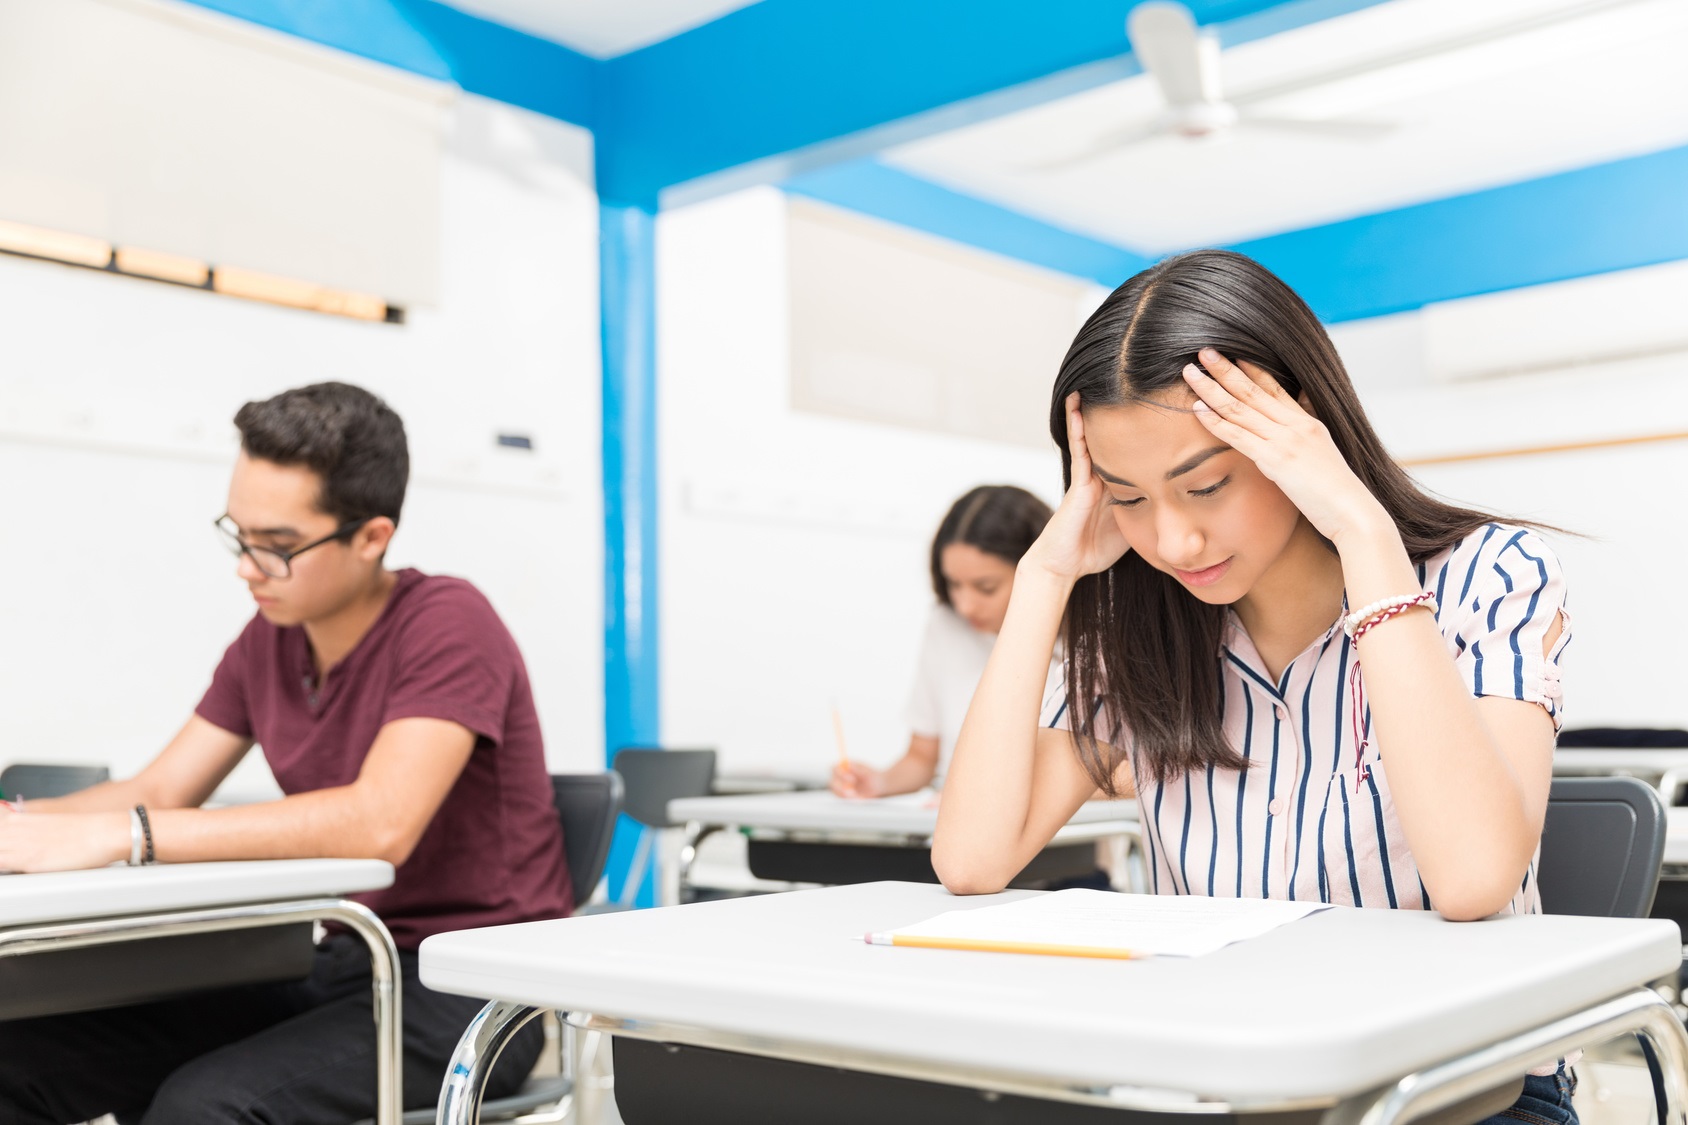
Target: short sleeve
<point x="923" y="713"/>
<point x="1512" y="591"/>
<point x="1057" y="711"/>
<point x="225" y="704"/>
<point x="1055" y="715"/>
<point x="455" y="661"/>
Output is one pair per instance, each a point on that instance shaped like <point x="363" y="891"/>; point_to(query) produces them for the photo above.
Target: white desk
<point x="1676" y="838"/>
<point x="1667" y="769"/>
<point x="1397" y="1011"/>
<point x="80" y="909"/>
<point x="906" y="821"/>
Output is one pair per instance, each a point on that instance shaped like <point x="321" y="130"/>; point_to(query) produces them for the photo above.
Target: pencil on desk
<point x="978" y="945"/>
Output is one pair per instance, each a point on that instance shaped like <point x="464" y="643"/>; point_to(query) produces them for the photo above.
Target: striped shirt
<point x="1312" y="818"/>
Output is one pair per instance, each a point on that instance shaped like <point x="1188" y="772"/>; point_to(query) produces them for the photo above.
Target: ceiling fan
<point x="1184" y="63"/>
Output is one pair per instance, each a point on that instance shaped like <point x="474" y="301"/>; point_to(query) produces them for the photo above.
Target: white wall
<point x="1429" y="383"/>
<point x="794" y="544"/>
<point x="115" y="441"/>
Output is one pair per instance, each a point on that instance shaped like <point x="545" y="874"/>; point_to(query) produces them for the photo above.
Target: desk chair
<point x="41" y="781"/>
<point x="1601" y="850"/>
<point x="655" y="777"/>
<point x="1601" y="847"/>
<point x="588" y="805"/>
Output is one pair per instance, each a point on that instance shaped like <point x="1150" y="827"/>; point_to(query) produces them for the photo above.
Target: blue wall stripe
<point x="433" y="40"/>
<point x="1607" y="217"/>
<point x="632" y="643"/>
<point x="876" y="189"/>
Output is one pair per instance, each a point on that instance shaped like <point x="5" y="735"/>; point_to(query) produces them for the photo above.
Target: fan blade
<point x="1331" y="128"/>
<point x="1183" y="63"/>
<point x="1108" y="142"/>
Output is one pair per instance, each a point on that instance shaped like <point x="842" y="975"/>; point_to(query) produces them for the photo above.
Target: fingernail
<point x="1202" y="407"/>
<point x="1207" y="355"/>
<point x="1191" y="371"/>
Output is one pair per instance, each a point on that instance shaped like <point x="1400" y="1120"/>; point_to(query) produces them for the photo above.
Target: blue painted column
<point x="632" y="652"/>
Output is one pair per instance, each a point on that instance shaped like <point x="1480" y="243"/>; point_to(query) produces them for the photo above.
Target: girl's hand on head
<point x="1244" y="407"/>
<point x="1082" y="538"/>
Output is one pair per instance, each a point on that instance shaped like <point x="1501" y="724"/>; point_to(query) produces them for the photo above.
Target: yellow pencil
<point x="979" y="945"/>
<point x="838" y="733"/>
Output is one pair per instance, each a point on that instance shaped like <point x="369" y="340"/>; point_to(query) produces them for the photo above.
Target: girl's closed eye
<point x="1210" y="489"/>
<point x="1131" y="503"/>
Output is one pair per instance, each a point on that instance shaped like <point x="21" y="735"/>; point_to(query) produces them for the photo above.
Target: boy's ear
<point x="374" y="536"/>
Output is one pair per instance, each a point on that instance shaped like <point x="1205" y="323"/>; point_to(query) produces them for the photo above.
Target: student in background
<point x="1324" y="683"/>
<point x="973" y="557"/>
<point x="395" y="712"/>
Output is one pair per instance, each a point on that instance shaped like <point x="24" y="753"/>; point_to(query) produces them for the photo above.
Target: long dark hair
<point x="998" y="519"/>
<point x="1136" y="640"/>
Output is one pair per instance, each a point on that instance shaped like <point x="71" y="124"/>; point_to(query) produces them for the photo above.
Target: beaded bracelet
<point x="1428" y="601"/>
<point x="1359" y="617"/>
<point x="148" y="856"/>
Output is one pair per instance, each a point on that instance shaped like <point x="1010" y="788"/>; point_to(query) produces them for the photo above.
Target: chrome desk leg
<point x="389" y="1007"/>
<point x="1670" y="1043"/>
<point x="695" y="834"/>
<point x="1450" y="1083"/>
<point x="1670" y="784"/>
<point x="471" y="1063"/>
<point x="20" y="941"/>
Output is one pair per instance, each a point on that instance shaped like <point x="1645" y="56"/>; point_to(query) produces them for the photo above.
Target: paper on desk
<point x="1166" y="925"/>
<point x="919" y="799"/>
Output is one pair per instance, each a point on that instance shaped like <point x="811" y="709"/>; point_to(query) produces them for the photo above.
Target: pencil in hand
<point x="838" y="733"/>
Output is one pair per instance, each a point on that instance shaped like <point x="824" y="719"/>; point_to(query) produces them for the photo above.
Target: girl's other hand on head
<point x="1083" y="537"/>
<point x="1246" y="408"/>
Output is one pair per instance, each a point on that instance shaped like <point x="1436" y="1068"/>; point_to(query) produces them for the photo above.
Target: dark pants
<point x="269" y="1053"/>
<point x="1546" y="1100"/>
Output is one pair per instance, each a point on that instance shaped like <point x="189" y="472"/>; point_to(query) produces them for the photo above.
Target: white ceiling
<point x="601" y="28"/>
<point x="1576" y="92"/>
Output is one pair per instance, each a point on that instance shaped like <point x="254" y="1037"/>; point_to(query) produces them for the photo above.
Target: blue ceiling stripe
<point x="436" y="41"/>
<point x="373" y="29"/>
<point x="775" y="88"/>
<point x="872" y="188"/>
<point x="782" y="76"/>
<point x="495" y="61"/>
<point x="1614" y="216"/>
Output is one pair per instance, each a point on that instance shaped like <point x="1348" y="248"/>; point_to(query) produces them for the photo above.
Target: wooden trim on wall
<point x="1536" y="450"/>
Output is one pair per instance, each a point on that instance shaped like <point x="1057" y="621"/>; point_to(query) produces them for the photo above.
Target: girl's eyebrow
<point x="1188" y="465"/>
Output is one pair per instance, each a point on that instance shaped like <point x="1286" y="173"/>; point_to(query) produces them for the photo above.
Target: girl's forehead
<point x="1145" y="437"/>
<point x="962" y="562"/>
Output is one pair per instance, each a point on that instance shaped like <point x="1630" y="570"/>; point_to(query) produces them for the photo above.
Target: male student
<point x="395" y="712"/>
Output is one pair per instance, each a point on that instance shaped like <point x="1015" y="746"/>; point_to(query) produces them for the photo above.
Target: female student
<point x="1324" y="683"/>
<point x="973" y="554"/>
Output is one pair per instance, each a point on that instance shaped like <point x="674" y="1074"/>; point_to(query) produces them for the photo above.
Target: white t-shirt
<point x="952" y="659"/>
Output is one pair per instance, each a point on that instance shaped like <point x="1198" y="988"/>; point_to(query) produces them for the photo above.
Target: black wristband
<point x="148" y="856"/>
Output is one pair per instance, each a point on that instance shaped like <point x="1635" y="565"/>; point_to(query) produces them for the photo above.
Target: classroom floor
<point x="1614" y="1087"/>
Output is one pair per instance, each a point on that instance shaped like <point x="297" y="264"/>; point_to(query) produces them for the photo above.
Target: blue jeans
<point x="1546" y="1100"/>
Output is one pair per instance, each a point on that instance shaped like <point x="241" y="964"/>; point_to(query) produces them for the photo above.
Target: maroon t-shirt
<point x="494" y="851"/>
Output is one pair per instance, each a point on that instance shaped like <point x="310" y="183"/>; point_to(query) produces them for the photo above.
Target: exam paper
<point x="1167" y="925"/>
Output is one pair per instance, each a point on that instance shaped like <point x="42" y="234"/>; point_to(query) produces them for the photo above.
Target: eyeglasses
<point x="273" y="562"/>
